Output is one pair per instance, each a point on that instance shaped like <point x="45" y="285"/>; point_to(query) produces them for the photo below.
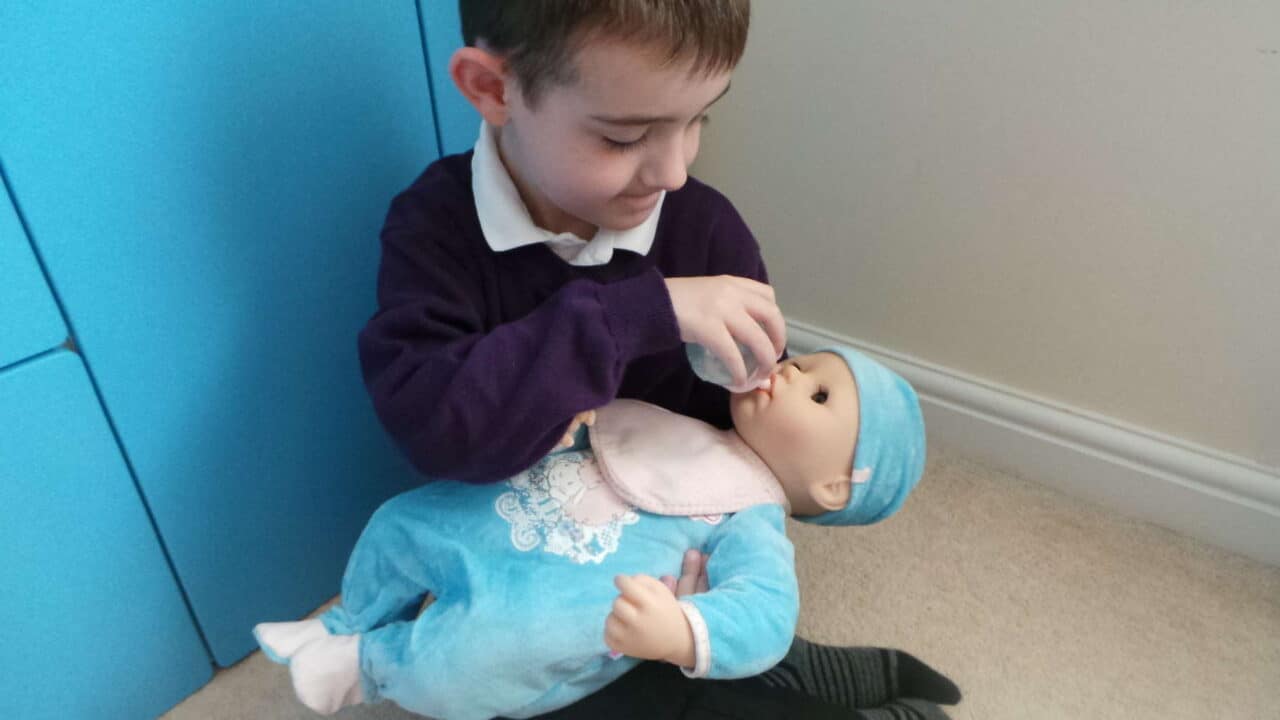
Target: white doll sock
<point x="326" y="673"/>
<point x="282" y="640"/>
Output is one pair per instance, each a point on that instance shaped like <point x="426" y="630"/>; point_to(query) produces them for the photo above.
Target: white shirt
<point x="507" y="225"/>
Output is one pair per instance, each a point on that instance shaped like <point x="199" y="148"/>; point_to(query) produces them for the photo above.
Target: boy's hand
<point x="587" y="418"/>
<point x="717" y="311"/>
<point x="693" y="575"/>
<point x="647" y="622"/>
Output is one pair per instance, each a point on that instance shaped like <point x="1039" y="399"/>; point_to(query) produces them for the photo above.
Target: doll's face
<point x="804" y="427"/>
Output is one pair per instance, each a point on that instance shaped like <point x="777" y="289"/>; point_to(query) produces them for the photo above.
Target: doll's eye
<point x="820" y="397"/>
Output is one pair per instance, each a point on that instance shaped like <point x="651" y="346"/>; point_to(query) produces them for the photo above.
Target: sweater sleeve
<point x="476" y="403"/>
<point x="744" y="624"/>
<point x="737" y="252"/>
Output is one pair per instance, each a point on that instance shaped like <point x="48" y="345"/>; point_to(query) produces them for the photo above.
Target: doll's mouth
<point x="768" y="390"/>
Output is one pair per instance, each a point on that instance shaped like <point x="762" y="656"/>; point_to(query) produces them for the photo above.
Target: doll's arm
<point x="745" y="624"/>
<point x="741" y="627"/>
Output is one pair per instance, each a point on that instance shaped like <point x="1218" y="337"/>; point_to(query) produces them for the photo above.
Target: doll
<point x="545" y="586"/>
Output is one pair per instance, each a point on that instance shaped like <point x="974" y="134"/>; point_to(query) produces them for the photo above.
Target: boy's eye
<point x="623" y="145"/>
<point x="820" y="397"/>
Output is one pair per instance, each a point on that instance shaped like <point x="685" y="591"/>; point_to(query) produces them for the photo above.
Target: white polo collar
<point x="507" y="225"/>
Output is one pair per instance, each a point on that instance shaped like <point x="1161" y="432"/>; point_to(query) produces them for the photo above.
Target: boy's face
<point x="598" y="152"/>
<point x="804" y="427"/>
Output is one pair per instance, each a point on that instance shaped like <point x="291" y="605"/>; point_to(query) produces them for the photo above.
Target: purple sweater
<point x="477" y="361"/>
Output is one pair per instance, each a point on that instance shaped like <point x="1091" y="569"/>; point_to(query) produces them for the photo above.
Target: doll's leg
<point x="280" y="641"/>
<point x="386" y="579"/>
<point x="390" y="570"/>
<point x="429" y="665"/>
<point x="416" y="664"/>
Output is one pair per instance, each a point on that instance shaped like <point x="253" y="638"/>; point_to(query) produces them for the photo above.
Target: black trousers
<point x="656" y="691"/>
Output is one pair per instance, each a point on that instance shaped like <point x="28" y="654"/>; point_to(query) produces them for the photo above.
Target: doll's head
<point x="842" y="433"/>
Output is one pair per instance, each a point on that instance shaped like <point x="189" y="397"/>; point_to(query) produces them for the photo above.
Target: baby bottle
<point x="710" y="368"/>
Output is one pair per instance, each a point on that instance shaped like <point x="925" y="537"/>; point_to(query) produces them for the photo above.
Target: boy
<point x="524" y="571"/>
<point x="562" y="263"/>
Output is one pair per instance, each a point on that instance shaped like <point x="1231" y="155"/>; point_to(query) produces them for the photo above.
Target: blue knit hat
<point x="889" y="451"/>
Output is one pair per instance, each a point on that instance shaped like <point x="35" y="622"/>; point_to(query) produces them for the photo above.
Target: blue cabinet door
<point x="29" y="319"/>
<point x="206" y="183"/>
<point x="459" y="123"/>
<point x="94" y="625"/>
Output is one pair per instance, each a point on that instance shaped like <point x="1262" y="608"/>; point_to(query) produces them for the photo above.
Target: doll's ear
<point x="481" y="76"/>
<point x="833" y="494"/>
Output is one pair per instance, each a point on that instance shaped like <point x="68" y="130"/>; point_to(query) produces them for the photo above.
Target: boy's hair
<point x="539" y="38"/>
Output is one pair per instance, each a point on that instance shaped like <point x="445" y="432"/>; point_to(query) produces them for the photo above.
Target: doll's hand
<point x="718" y="312"/>
<point x="647" y="622"/>
<point x="587" y="418"/>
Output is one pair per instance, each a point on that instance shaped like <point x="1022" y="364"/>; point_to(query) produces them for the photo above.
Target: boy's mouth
<point x="640" y="200"/>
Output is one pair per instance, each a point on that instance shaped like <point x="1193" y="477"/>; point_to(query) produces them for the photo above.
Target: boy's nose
<point x="667" y="170"/>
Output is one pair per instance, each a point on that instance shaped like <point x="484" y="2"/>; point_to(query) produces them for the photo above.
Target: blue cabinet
<point x="29" y="319"/>
<point x="458" y="122"/>
<point x="205" y="183"/>
<point x="94" y="626"/>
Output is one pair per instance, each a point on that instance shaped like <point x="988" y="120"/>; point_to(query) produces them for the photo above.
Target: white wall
<point x="1079" y="200"/>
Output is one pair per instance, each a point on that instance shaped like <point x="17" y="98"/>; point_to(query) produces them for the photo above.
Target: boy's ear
<point x="832" y="495"/>
<point x="482" y="78"/>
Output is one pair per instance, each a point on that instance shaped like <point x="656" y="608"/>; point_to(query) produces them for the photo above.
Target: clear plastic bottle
<point x="710" y="368"/>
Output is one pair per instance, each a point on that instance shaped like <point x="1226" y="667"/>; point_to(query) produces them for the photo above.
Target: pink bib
<point x="669" y="464"/>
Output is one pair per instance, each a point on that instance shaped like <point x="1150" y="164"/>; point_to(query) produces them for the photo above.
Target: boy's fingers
<point x="689" y="571"/>
<point x="567" y="440"/>
<point x="691" y="562"/>
<point x="769" y="317"/>
<point x="723" y="347"/>
<point x="587" y="418"/>
<point x="757" y="341"/>
<point x="686" y="585"/>
<point x="755" y="287"/>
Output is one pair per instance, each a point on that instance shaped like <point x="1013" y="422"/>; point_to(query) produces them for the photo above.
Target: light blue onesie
<point x="523" y="570"/>
<point x="523" y="589"/>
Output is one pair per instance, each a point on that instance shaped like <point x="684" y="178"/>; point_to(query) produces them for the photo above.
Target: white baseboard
<point x="1223" y="500"/>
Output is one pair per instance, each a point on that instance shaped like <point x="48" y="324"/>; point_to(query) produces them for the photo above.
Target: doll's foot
<point x="326" y="673"/>
<point x="282" y="640"/>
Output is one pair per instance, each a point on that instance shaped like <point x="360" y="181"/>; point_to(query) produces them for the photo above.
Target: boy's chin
<point x="623" y="221"/>
<point x="626" y="214"/>
<point x="620" y="226"/>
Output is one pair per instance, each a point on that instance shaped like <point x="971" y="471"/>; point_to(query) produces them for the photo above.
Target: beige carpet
<point x="1038" y="605"/>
